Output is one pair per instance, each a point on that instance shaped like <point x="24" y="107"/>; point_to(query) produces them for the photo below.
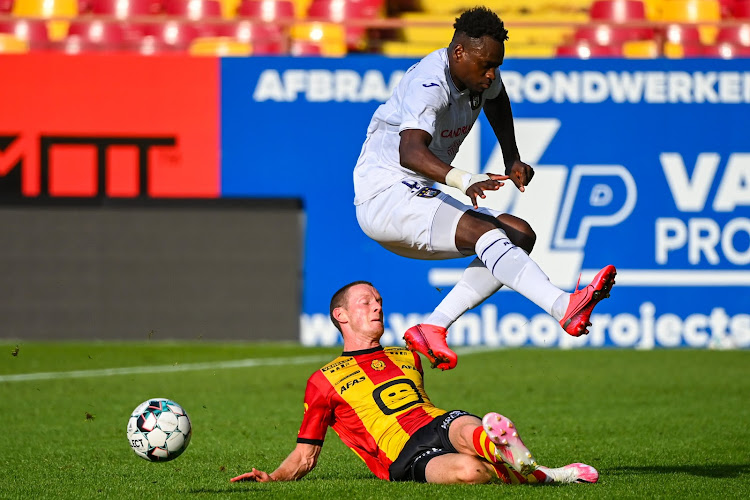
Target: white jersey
<point x="426" y="99"/>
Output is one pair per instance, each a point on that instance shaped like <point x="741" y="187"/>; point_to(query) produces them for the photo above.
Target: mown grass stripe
<point x="210" y="365"/>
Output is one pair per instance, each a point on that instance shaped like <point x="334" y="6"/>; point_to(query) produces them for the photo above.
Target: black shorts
<point x="427" y="443"/>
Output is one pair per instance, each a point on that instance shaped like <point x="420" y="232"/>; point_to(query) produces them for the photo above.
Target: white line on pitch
<point x="213" y="365"/>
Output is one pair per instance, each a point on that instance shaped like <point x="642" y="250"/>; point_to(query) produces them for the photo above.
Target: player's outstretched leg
<point x="572" y="473"/>
<point x="508" y="444"/>
<point x="430" y="341"/>
<point x="576" y="319"/>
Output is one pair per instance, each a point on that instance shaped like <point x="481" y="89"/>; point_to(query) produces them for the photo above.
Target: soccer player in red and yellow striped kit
<point x="374" y="398"/>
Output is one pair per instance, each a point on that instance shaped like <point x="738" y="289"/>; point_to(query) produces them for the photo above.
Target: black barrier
<point x="137" y="269"/>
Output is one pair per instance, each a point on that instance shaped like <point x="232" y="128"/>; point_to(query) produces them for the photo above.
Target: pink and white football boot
<point x="572" y="473"/>
<point x="508" y="445"/>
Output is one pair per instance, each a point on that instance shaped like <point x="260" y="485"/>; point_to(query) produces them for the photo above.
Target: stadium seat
<point x="641" y="49"/>
<point x="265" y="39"/>
<point x="348" y="12"/>
<point x="266" y="10"/>
<point x="194" y="10"/>
<point x="330" y="39"/>
<point x="619" y="12"/>
<point x="741" y="9"/>
<point x="46" y="9"/>
<point x="735" y="34"/>
<point x="219" y="47"/>
<point x="584" y="50"/>
<point x="176" y="35"/>
<point x="10" y="44"/>
<point x="33" y="32"/>
<point x="693" y="11"/>
<point x="123" y="9"/>
<point x="102" y="35"/>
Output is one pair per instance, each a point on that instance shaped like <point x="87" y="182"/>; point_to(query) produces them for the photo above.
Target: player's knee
<point x="472" y="471"/>
<point x="519" y="231"/>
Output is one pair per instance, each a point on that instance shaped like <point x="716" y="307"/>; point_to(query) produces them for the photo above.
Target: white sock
<point x="514" y="268"/>
<point x="476" y="284"/>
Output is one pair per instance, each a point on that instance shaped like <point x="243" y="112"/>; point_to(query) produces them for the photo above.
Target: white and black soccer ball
<point x="159" y="430"/>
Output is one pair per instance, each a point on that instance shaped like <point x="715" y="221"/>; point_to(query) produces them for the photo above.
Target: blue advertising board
<point x="641" y="164"/>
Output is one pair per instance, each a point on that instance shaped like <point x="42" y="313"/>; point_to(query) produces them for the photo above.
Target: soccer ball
<point x="159" y="430"/>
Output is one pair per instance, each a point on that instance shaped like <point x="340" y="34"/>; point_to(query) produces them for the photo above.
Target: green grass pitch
<point x="657" y="424"/>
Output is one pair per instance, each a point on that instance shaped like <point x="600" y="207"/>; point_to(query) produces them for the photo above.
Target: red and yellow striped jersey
<point x="374" y="399"/>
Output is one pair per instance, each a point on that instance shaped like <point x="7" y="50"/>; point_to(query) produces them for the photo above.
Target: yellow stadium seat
<point x="10" y="44"/>
<point x="229" y="8"/>
<point x="694" y="11"/>
<point x="221" y="46"/>
<point x="48" y="9"/>
<point x="300" y="8"/>
<point x="330" y="38"/>
<point x="406" y="49"/>
<point x="531" y="50"/>
<point x="427" y="29"/>
<point x="640" y="49"/>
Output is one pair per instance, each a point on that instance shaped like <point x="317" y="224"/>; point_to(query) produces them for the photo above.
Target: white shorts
<point x="415" y="221"/>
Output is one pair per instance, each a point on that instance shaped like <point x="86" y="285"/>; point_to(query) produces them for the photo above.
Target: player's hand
<point x="521" y="174"/>
<point x="254" y="475"/>
<point x="477" y="189"/>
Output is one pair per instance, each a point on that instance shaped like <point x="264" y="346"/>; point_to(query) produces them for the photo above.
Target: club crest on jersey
<point x="427" y="192"/>
<point x="475" y="100"/>
<point x="377" y="365"/>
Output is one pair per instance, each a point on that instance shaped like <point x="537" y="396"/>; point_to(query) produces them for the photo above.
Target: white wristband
<point x="461" y="179"/>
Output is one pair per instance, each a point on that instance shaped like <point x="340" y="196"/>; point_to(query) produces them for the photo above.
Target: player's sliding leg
<point x="498" y="442"/>
<point x="429" y="338"/>
<point x="498" y="438"/>
<point x="514" y="268"/>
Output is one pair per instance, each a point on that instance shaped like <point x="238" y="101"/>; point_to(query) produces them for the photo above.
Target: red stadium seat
<point x="176" y="35"/>
<point x="266" y="10"/>
<point x="6" y="6"/>
<point x="618" y="11"/>
<point x="343" y="11"/>
<point x="195" y="10"/>
<point x="584" y="50"/>
<point x="123" y="9"/>
<point x="611" y="35"/>
<point x="726" y="50"/>
<point x="266" y="39"/>
<point x="736" y="35"/>
<point x="741" y="9"/>
<point x="98" y="34"/>
<point x="33" y="32"/>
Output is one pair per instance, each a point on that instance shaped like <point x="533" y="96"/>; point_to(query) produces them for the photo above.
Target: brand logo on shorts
<point x="451" y="417"/>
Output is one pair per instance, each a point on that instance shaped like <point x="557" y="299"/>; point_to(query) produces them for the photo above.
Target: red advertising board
<point x="115" y="125"/>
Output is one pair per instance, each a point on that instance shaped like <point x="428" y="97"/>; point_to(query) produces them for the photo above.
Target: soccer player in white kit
<point x="411" y="141"/>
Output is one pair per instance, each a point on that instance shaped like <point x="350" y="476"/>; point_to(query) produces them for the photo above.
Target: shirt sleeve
<point x="318" y="415"/>
<point x="422" y="103"/>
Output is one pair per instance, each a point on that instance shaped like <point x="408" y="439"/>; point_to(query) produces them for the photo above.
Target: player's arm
<point x="299" y="462"/>
<point x="500" y="116"/>
<point x="415" y="155"/>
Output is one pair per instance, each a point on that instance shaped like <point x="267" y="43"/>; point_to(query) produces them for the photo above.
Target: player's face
<point x="476" y="62"/>
<point x="364" y="310"/>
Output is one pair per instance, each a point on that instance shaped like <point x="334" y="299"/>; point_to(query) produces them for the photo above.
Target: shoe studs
<point x="515" y="434"/>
